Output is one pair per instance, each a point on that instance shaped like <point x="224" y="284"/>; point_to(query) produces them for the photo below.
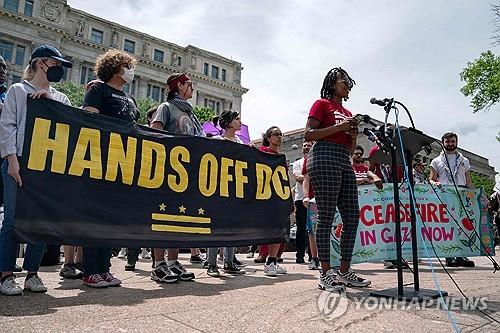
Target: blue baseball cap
<point x="47" y="51"/>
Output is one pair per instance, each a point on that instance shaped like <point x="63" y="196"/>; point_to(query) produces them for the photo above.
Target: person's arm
<point x="8" y="134"/>
<point x="313" y="133"/>
<point x="305" y="187"/>
<point x="468" y="181"/>
<point x="375" y="179"/>
<point x="297" y="172"/>
<point x="433" y="177"/>
<point x="93" y="98"/>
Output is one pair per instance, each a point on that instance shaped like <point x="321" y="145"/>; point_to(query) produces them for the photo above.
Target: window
<point x="223" y="75"/>
<point x="16" y="79"/>
<point x="86" y="75"/>
<point x="159" y="55"/>
<point x="96" y="36"/>
<point x="20" y="55"/>
<point x="129" y="88"/>
<point x="215" y="72"/>
<point x="179" y="60"/>
<point x="214" y="105"/>
<point x="205" y="69"/>
<point x="12" y="5"/>
<point x="28" y="8"/>
<point x="6" y="50"/>
<point x="129" y="46"/>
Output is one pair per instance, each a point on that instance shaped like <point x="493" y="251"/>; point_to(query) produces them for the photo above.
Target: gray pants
<point x="212" y="255"/>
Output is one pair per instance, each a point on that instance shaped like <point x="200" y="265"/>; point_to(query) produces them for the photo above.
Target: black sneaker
<point x="232" y="268"/>
<point x="279" y="259"/>
<point x="300" y="261"/>
<point x="329" y="282"/>
<point x="69" y="271"/>
<point x="183" y="274"/>
<point x="197" y="259"/>
<point x="162" y="273"/>
<point x="465" y="262"/>
<point x="238" y="263"/>
<point x="452" y="262"/>
<point x="213" y="271"/>
<point x="350" y="279"/>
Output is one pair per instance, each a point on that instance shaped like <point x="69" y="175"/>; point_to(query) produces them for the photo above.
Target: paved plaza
<point x="250" y="303"/>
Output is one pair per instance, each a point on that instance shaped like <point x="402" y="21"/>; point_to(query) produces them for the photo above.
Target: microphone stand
<point x="418" y="140"/>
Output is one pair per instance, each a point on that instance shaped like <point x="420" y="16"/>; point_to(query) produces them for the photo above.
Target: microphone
<point x="374" y="138"/>
<point x="381" y="102"/>
<point x="367" y="119"/>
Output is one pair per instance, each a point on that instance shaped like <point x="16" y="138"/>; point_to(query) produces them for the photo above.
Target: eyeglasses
<point x="190" y="84"/>
<point x="277" y="134"/>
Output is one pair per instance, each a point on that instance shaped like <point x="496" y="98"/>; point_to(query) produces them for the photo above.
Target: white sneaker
<point x="10" y="287"/>
<point x="271" y="269"/>
<point x="35" y="285"/>
<point x="250" y="255"/>
<point x="145" y="254"/>
<point x="280" y="269"/>
<point x="312" y="266"/>
<point x="122" y="254"/>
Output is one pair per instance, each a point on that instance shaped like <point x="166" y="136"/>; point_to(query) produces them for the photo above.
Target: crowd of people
<point x="327" y="176"/>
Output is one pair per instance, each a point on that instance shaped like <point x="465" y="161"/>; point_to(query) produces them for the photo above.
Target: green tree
<point x="479" y="180"/>
<point x="203" y="113"/>
<point x="144" y="104"/>
<point x="74" y="91"/>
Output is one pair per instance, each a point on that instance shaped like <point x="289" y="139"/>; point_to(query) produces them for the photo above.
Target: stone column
<point x="75" y="71"/>
<point x="142" y="87"/>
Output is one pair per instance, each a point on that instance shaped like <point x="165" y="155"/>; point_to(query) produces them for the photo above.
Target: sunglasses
<point x="277" y="134"/>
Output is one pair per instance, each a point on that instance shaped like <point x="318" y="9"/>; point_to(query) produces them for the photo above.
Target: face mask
<point x="54" y="73"/>
<point x="128" y="75"/>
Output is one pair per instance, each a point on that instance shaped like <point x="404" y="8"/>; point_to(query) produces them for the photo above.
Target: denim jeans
<point x="212" y="255"/>
<point x="96" y="260"/>
<point x="8" y="243"/>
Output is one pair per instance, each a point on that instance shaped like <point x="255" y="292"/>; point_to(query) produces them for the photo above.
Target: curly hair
<point x="110" y="63"/>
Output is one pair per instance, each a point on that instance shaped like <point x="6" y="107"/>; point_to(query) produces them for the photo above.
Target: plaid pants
<point x="334" y="185"/>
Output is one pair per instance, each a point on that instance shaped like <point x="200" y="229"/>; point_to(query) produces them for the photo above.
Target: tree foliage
<point x="482" y="81"/>
<point x="203" y="113"/>
<point x="479" y="180"/>
<point x="74" y="91"/>
<point x="144" y="104"/>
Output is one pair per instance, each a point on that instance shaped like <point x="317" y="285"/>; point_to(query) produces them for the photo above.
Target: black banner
<point x="95" y="180"/>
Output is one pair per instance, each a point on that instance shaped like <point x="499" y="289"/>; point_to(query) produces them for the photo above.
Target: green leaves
<point x="203" y="113"/>
<point x="74" y="91"/>
<point x="482" y="81"/>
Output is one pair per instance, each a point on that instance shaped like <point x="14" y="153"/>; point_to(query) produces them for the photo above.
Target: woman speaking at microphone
<point x="332" y="177"/>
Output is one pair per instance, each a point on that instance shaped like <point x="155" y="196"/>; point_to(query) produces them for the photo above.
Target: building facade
<point x="81" y="37"/>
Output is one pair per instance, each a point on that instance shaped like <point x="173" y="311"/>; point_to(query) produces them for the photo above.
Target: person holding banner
<point x="45" y="66"/>
<point x="271" y="143"/>
<point x="332" y="177"/>
<point x="230" y="122"/>
<point x="451" y="168"/>
<point x="175" y="116"/>
<point x="114" y="69"/>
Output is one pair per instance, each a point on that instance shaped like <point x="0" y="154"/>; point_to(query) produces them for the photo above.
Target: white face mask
<point x="128" y="74"/>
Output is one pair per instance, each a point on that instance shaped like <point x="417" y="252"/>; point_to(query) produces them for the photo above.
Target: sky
<point x="413" y="51"/>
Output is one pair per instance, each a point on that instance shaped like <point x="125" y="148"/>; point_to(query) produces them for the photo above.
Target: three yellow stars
<point x="182" y="209"/>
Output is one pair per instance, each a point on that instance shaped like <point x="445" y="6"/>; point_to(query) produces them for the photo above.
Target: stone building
<point x="81" y="37"/>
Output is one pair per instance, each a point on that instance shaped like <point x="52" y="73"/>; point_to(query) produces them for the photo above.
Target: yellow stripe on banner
<point x="186" y="230"/>
<point x="180" y="218"/>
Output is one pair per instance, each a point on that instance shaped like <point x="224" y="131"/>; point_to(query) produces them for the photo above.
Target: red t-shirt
<point x="360" y="170"/>
<point x="330" y="113"/>
<point x="310" y="195"/>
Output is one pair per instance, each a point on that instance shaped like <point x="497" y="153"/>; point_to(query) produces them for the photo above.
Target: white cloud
<point x="412" y="50"/>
